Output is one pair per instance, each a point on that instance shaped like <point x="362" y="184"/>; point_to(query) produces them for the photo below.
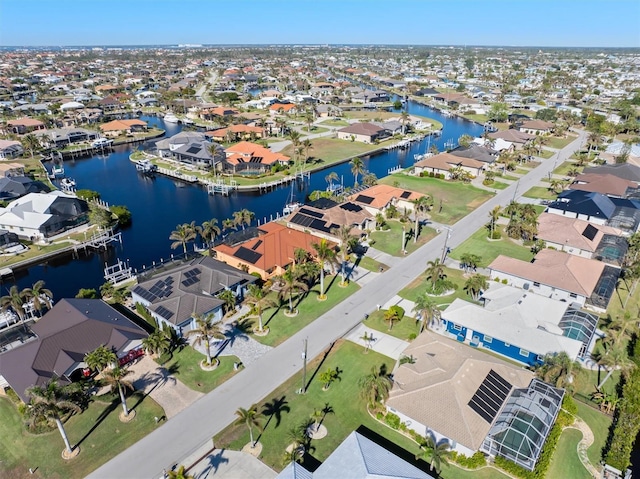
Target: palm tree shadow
<point x="158" y="378"/>
<point x="275" y="408"/>
<point x="275" y="312"/>
<point x="112" y="406"/>
<point x="212" y="462"/>
<point x="324" y="358"/>
<point x="330" y="285"/>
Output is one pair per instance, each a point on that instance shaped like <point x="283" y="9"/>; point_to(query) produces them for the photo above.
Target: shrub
<point x="379" y="415"/>
<point x="626" y="423"/>
<point x="392" y="420"/>
<point x="496" y="235"/>
<point x="11" y="394"/>
<point x="412" y="336"/>
<point x="399" y="310"/>
<point x="474" y="462"/>
<point x="88" y="195"/>
<point x="123" y="214"/>
<point x="504" y="281"/>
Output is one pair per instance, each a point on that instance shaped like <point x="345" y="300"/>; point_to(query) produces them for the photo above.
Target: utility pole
<point x="303" y="389"/>
<point x="446" y="238"/>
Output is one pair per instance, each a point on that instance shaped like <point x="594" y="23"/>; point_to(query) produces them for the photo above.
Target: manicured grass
<point x="457" y="199"/>
<point x="401" y="329"/>
<point x="564" y="168"/>
<point x="314" y="129"/>
<point x="479" y="244"/>
<point x="509" y="177"/>
<point x="185" y="365"/>
<point x="586" y="382"/>
<point x="419" y="285"/>
<point x="349" y="410"/>
<point x="559" y="143"/>
<point x="309" y="308"/>
<point x="333" y="150"/>
<point x="476" y="117"/>
<point x="369" y="264"/>
<point x="335" y="123"/>
<point x="390" y="240"/>
<point x="97" y="430"/>
<point x="546" y="154"/>
<point x="521" y="171"/>
<point x="599" y="424"/>
<point x="540" y="192"/>
<point x="565" y="462"/>
<point x="454" y="472"/>
<point x="499" y="185"/>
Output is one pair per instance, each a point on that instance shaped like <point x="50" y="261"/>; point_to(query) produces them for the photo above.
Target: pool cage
<point x="522" y="426"/>
<point x="604" y="288"/>
<point x="611" y="249"/>
<point x="579" y="325"/>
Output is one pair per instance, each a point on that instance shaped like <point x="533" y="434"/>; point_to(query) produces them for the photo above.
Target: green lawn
<point x="401" y="329"/>
<point x="521" y="171"/>
<point x="390" y="240"/>
<point x="540" y="192"/>
<point x="563" y="169"/>
<point x="586" y="381"/>
<point x="369" y="263"/>
<point x="456" y="199"/>
<point x="333" y="150"/>
<point x="314" y="129"/>
<point x="482" y="119"/>
<point x="546" y="154"/>
<point x="419" y="285"/>
<point x="335" y="123"/>
<point x="282" y="327"/>
<point x="479" y="244"/>
<point x="499" y="185"/>
<point x="599" y="424"/>
<point x="97" y="430"/>
<point x="559" y="143"/>
<point x="565" y="462"/>
<point x="185" y="365"/>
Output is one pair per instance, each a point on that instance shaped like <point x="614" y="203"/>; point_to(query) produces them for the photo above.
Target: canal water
<point x="159" y="204"/>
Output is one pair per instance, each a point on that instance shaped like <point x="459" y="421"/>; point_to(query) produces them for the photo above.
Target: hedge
<point x="474" y="462"/>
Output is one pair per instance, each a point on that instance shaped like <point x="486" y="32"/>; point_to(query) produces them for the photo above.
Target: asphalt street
<point x="187" y="431"/>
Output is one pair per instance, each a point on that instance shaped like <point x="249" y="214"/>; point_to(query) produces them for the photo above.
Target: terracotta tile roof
<point x="603" y="183"/>
<point x="222" y="132"/>
<point x="379" y="196"/>
<point x="570" y="231"/>
<point x="446" y="161"/>
<point x="556" y="269"/>
<point x="246" y="151"/>
<point x="25" y="122"/>
<point x="436" y="389"/>
<point x="282" y="106"/>
<point x="514" y="136"/>
<point x="121" y="125"/>
<point x="362" y="129"/>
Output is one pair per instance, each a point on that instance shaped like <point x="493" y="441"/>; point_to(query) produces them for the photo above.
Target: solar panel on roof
<point x="490" y="396"/>
<point x="350" y="207"/>
<point x="590" y="232"/>
<point x="245" y="254"/>
<point x="196" y="270"/>
<point x="255" y="246"/>
<point x="308" y="212"/>
<point x="194" y="149"/>
<point x="164" y="312"/>
<point x="364" y="199"/>
<point x="302" y="220"/>
<point x="405" y="194"/>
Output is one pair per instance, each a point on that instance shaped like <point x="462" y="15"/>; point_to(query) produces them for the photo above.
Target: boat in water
<point x="292" y="205"/>
<point x="145" y="166"/>
<point x="101" y="142"/>
<point x="67" y="184"/>
<point x="171" y="118"/>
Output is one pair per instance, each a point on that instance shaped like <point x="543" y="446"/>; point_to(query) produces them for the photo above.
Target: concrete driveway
<point x="225" y="464"/>
<point x="382" y="343"/>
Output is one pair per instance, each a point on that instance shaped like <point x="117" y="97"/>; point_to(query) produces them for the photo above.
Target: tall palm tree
<point x="30" y="143"/>
<point x="330" y="178"/>
<point x="475" y="285"/>
<point x="435" y="271"/>
<point x="375" y="386"/>
<point x="291" y="285"/>
<point x="51" y="402"/>
<point x="404" y="119"/>
<point x="420" y="206"/>
<point x="343" y="233"/>
<point x="157" y="343"/>
<point x="204" y="332"/>
<point x="307" y="145"/>
<point x="209" y="230"/>
<point x="116" y="378"/>
<point x="324" y="254"/>
<point x="259" y="300"/>
<point x="558" y="369"/>
<point x="427" y="308"/>
<point x="436" y="453"/>
<point x="38" y="295"/>
<point x="100" y="358"/>
<point x="229" y="300"/>
<point x="494" y="214"/>
<point x="182" y="235"/>
<point x="250" y="418"/>
<point x="615" y="357"/>
<point x="14" y="300"/>
<point x="357" y="168"/>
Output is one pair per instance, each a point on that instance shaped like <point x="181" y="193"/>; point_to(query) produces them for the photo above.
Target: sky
<point x="571" y="23"/>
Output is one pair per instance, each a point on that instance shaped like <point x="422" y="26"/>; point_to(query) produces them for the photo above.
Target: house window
<point x="573" y="295"/>
<point x="536" y="284"/>
<point x="488" y="339"/>
<point x="457" y="328"/>
<point x="539" y="357"/>
<point x="524" y="352"/>
<point x="507" y="345"/>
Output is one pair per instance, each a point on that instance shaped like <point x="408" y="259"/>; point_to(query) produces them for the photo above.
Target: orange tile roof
<point x="222" y="132"/>
<point x="121" y="125"/>
<point x="383" y="195"/>
<point x="282" y="106"/>
<point x="25" y="122"/>
<point x="245" y="150"/>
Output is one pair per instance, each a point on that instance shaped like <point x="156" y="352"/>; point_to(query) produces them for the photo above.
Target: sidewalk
<point x="382" y="343"/>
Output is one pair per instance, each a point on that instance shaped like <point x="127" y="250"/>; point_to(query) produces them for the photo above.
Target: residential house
<point x="476" y="152"/>
<point x="123" y="127"/>
<point x="618" y="148"/>
<point x="8" y="170"/>
<point x="560" y="275"/>
<point x="13" y="187"/>
<point x="606" y="184"/>
<point x="536" y="127"/>
<point x="521" y="326"/>
<point x="458" y="394"/>
<point x="376" y="199"/>
<point x="516" y="137"/>
<point x="282" y="108"/>
<point x="581" y="238"/>
<point x="37" y="216"/>
<point x="212" y="113"/>
<point x="60" y="137"/>
<point x="61" y="338"/>
<point x="192" y="148"/>
<point x="10" y="149"/>
<point x="625" y="171"/>
<point x="370" y="96"/>
<point x="235" y="133"/>
<point x="447" y="163"/>
<point x="266" y="250"/>
<point x="24" y="126"/>
<point x="362" y="132"/>
<point x="250" y="157"/>
<point x="174" y="296"/>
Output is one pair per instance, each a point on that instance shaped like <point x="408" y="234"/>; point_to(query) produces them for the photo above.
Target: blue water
<point x="159" y="204"/>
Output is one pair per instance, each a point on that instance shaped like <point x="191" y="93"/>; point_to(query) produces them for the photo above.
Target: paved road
<point x="194" y="426"/>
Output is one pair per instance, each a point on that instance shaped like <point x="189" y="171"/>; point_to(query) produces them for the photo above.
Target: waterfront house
<point x="235" y="133"/>
<point x="192" y="148"/>
<point x="123" y="127"/>
<point x="173" y="296"/>
<point x="536" y="127"/>
<point x="60" y="340"/>
<point x="8" y="170"/>
<point x="560" y="275"/>
<point x="10" y="149"/>
<point x="37" y="216"/>
<point x="521" y="326"/>
<point x="476" y="152"/>
<point x="266" y="250"/>
<point x="516" y="137"/>
<point x="24" y="126"/>
<point x="252" y="158"/>
<point x="61" y="137"/>
<point x="445" y="163"/>
<point x="13" y="187"/>
<point x="362" y="132"/>
<point x="581" y="238"/>
<point x="459" y="394"/>
<point x="376" y="199"/>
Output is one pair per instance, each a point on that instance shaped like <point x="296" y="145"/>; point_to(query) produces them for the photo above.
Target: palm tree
<point x="38" y="295"/>
<point x="290" y="285"/>
<point x="116" y="378"/>
<point x="392" y="315"/>
<point x="244" y="217"/>
<point x="30" y="143"/>
<point x="259" y="300"/>
<point x="180" y="473"/>
<point x="420" y="205"/>
<point x="494" y="214"/>
<point x="156" y="343"/>
<point x="330" y="178"/>
<point x="435" y="271"/>
<point x="357" y="168"/>
<point x="328" y="377"/>
<point x="436" y="453"/>
<point x="615" y="357"/>
<point x="209" y="230"/>
<point x="470" y="261"/>
<point x="343" y="233"/>
<point x="375" y="386"/>
<point x="558" y="369"/>
<point x="182" y="235"/>
<point x="307" y="145"/>
<point x="324" y="254"/>
<point x="249" y="417"/>
<point x="204" y="332"/>
<point x="51" y="402"/>
<point x="427" y="308"/>
<point x="100" y="358"/>
<point x="14" y="300"/>
<point x="475" y="285"/>
<point x="404" y="118"/>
